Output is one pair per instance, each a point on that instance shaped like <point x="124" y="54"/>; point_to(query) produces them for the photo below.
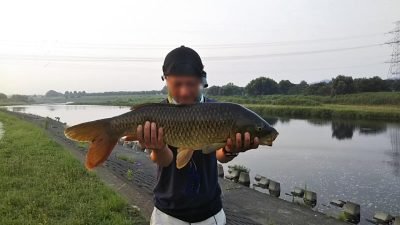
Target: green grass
<point x="368" y="98"/>
<point x="330" y="111"/>
<point x="371" y="106"/>
<point x="128" y="100"/>
<point x="127" y="158"/>
<point x="10" y="102"/>
<point x="42" y="183"/>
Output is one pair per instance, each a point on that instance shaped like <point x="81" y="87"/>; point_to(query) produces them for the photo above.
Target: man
<point x="190" y="195"/>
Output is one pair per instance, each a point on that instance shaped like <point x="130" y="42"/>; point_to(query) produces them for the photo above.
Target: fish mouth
<point x="270" y="139"/>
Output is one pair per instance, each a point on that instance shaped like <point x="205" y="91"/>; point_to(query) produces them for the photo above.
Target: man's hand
<point x="149" y="137"/>
<point x="236" y="146"/>
<point x="152" y="138"/>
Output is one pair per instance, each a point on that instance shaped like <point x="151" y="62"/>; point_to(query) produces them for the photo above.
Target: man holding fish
<point x="188" y="129"/>
<point x="175" y="203"/>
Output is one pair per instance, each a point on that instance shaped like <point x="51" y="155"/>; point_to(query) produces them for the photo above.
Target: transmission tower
<point x="394" y="69"/>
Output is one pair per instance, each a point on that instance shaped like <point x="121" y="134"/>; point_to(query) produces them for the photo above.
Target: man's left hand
<point x="240" y="145"/>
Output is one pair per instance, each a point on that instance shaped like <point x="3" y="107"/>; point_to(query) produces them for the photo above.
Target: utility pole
<point x="394" y="69"/>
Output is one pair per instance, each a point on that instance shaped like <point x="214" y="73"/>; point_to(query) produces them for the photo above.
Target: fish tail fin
<point x="97" y="134"/>
<point x="183" y="157"/>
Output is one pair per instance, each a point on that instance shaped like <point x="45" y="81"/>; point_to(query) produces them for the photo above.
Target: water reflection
<point x="394" y="135"/>
<point x="51" y="107"/>
<point x="271" y="120"/>
<point x="18" y="109"/>
<point x="342" y="130"/>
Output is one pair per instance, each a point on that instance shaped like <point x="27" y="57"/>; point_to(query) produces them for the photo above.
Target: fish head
<point x="266" y="134"/>
<point x="249" y="121"/>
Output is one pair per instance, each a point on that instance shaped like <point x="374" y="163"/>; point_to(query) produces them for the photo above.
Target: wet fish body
<point x="201" y="126"/>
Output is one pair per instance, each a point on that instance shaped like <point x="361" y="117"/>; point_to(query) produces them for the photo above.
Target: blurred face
<point x="184" y="89"/>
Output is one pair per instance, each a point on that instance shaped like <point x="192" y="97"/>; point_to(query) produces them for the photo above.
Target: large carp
<point x="200" y="126"/>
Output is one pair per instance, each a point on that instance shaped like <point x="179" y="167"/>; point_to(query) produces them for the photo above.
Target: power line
<point x="158" y="59"/>
<point x="205" y="46"/>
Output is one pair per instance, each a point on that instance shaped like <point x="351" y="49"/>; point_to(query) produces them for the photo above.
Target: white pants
<point x="160" y="218"/>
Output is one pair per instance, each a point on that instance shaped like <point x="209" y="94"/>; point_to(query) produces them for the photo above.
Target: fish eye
<point x="259" y="128"/>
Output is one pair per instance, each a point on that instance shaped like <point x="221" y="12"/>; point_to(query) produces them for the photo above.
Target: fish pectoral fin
<point x="183" y="157"/>
<point x="212" y="147"/>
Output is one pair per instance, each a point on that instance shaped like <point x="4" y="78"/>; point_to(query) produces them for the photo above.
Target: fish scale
<point x="202" y="126"/>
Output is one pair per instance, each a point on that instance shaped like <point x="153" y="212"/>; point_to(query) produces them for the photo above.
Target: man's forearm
<point x="162" y="157"/>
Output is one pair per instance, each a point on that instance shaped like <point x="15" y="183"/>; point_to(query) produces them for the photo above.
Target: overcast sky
<point x="118" y="45"/>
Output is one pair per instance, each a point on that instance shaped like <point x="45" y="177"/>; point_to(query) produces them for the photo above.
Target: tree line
<point x="259" y="86"/>
<point x="15" y="98"/>
<point x="337" y="86"/>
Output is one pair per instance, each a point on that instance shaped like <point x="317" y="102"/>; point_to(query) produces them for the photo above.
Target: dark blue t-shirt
<point x="191" y="194"/>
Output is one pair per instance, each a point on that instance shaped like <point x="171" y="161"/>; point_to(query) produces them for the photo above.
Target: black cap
<point x="183" y="61"/>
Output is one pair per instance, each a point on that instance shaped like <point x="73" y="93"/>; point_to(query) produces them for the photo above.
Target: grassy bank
<point x="368" y="98"/>
<point x="42" y="183"/>
<point x="120" y="100"/>
<point x="371" y="106"/>
<point x="8" y="102"/>
<point x="330" y="111"/>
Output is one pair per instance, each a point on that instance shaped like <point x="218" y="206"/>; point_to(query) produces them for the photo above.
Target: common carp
<point x="189" y="127"/>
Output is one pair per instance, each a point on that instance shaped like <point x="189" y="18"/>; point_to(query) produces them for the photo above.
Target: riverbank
<point x="42" y="183"/>
<point x="330" y="111"/>
<point x="371" y="106"/>
<point x="135" y="178"/>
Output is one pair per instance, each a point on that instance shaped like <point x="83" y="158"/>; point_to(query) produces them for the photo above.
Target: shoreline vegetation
<point x="341" y="97"/>
<point x="369" y="105"/>
<point x="43" y="183"/>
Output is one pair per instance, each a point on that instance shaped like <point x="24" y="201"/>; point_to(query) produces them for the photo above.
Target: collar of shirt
<point x="172" y="100"/>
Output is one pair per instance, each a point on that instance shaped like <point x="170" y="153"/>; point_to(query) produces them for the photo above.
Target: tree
<point x="321" y="88"/>
<point x="53" y="93"/>
<point x="285" y="86"/>
<point x="342" y="85"/>
<point x="298" y="88"/>
<point x="262" y="86"/>
<point x="19" y="98"/>
<point x="373" y="84"/>
<point x="394" y="85"/>
<point x="231" y="89"/>
<point x="164" y="90"/>
<point x="213" y="90"/>
<point x="3" y="96"/>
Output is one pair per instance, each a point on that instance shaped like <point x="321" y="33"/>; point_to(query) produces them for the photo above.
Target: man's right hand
<point x="153" y="139"/>
<point x="150" y="137"/>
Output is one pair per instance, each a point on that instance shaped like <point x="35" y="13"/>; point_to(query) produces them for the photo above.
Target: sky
<point x="120" y="45"/>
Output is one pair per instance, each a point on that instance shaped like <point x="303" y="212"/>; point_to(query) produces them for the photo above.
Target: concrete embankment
<point x="132" y="174"/>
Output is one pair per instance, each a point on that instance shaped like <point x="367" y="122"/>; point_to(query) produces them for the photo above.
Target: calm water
<point x="357" y="161"/>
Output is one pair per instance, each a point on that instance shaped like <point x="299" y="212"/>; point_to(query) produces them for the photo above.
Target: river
<point x="355" y="161"/>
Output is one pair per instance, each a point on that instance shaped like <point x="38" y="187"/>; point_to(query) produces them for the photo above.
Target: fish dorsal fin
<point x="138" y="106"/>
<point x="183" y="157"/>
